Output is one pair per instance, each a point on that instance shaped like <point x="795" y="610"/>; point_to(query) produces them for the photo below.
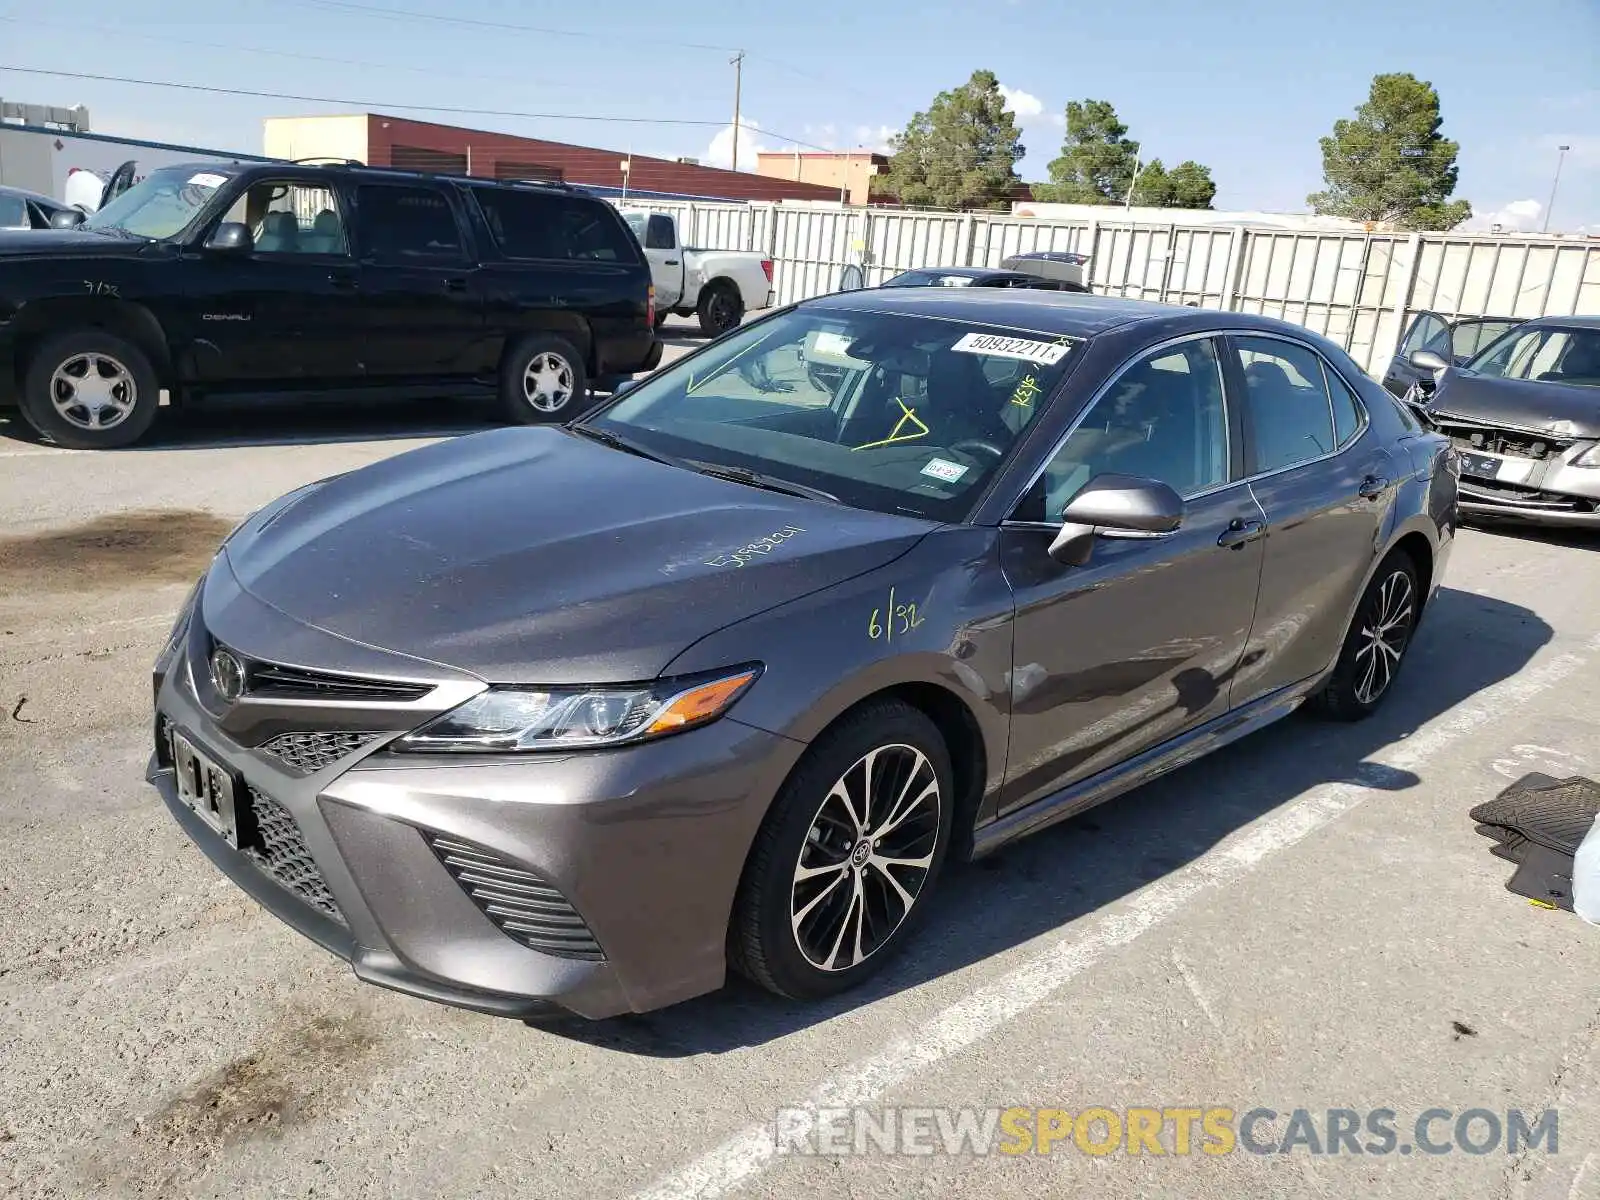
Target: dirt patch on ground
<point x="299" y="1073"/>
<point x="153" y="546"/>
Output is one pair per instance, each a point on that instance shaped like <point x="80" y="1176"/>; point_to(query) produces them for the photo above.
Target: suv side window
<point x="1161" y="418"/>
<point x="1285" y="402"/>
<point x="287" y="217"/>
<point x="535" y="225"/>
<point x="408" y="226"/>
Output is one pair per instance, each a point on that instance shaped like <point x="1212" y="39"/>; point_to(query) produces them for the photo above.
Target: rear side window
<point x="408" y="225"/>
<point x="534" y="225"/>
<point x="1286" y="402"/>
<point x="1346" y="409"/>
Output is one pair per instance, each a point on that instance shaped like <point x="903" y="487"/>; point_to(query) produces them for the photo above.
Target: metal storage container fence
<point x="1360" y="290"/>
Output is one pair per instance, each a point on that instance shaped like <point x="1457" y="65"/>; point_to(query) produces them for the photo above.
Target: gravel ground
<point x="1304" y="920"/>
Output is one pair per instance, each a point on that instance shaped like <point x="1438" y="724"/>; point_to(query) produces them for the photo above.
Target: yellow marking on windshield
<point x="895" y="434"/>
<point x="720" y="368"/>
<point x="1027" y="391"/>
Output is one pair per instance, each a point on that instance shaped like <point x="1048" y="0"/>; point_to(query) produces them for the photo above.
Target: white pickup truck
<point x="720" y="286"/>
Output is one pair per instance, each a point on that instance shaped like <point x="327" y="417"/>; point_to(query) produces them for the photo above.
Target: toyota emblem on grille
<point x="227" y="675"/>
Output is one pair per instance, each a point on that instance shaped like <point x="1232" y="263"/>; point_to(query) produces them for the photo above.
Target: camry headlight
<point x="1589" y="458"/>
<point x="521" y="719"/>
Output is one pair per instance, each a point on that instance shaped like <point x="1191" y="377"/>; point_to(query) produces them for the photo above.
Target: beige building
<point x="849" y="170"/>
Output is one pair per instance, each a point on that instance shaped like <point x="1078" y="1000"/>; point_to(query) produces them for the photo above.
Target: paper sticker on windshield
<point x="944" y="470"/>
<point x="1009" y="347"/>
<point x="207" y="180"/>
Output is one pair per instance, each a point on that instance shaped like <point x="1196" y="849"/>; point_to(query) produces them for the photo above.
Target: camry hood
<point x="66" y="243"/>
<point x="534" y="556"/>
<point x="1559" y="409"/>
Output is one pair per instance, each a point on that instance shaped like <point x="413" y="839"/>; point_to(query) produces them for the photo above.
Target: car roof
<point x="363" y="171"/>
<point x="966" y="272"/>
<point x="1585" y="321"/>
<point x="1074" y="314"/>
<point x="38" y="197"/>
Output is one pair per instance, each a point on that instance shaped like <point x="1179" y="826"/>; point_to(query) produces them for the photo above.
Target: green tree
<point x="1390" y="163"/>
<point x="1097" y="158"/>
<point x="961" y="153"/>
<point x="1187" y="185"/>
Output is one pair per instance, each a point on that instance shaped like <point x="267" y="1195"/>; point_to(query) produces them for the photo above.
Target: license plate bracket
<point x="206" y="787"/>
<point x="1480" y="466"/>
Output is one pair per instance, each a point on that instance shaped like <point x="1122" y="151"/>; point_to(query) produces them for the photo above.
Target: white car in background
<point x="719" y="286"/>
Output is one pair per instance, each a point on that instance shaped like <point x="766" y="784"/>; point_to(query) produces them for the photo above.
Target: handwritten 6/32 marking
<point x="893" y="619"/>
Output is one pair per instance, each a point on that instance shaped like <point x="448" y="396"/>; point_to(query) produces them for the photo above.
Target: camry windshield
<point x="161" y="205"/>
<point x="1545" y="355"/>
<point x="881" y="411"/>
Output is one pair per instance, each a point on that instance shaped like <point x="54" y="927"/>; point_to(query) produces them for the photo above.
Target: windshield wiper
<point x="617" y="442"/>
<point x="765" y="482"/>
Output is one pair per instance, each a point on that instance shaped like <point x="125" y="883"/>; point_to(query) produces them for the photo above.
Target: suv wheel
<point x="542" y="380"/>
<point x="90" y="390"/>
<point x="845" y="860"/>
<point x="721" y="308"/>
<point x="1376" y="644"/>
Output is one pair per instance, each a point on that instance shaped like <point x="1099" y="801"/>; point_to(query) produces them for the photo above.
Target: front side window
<point x="286" y="217"/>
<point x="1570" y="356"/>
<point x="1163" y="418"/>
<point x="1285" y="402"/>
<point x="1469" y="337"/>
<point x="1428" y="332"/>
<point x="408" y="225"/>
<point x="884" y="411"/>
<point x="162" y="205"/>
<point x="13" y="212"/>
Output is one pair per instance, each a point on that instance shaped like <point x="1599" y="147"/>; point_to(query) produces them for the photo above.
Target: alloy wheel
<point x="720" y="309"/>
<point x="547" y="382"/>
<point x="1385" y="631"/>
<point x="866" y="857"/>
<point x="93" y="391"/>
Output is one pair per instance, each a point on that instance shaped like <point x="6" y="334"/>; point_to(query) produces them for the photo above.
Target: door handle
<point x="346" y="282"/>
<point x="1239" y="532"/>
<point x="671" y="262"/>
<point x="1373" y="486"/>
<point x="455" y="285"/>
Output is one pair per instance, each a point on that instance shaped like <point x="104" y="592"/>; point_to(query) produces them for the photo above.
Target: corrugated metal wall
<point x="1359" y="290"/>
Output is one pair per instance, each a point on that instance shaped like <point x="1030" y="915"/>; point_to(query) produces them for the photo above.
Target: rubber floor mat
<point x="1554" y="813"/>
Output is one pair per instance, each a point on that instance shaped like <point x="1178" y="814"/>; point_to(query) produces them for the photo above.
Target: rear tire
<point x="721" y="308"/>
<point x="818" y="910"/>
<point x="90" y="390"/>
<point x="542" y="381"/>
<point x="1375" y="646"/>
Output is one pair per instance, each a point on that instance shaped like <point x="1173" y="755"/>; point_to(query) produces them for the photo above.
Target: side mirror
<point x="1427" y="360"/>
<point x="66" y="218"/>
<point x="1111" y="504"/>
<point x="231" y="238"/>
<point x="623" y="385"/>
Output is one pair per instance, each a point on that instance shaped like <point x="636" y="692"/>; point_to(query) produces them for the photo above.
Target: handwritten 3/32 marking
<point x="901" y="619"/>
<point x="755" y="549"/>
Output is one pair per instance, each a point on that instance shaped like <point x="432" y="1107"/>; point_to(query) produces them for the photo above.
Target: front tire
<point x="1376" y="644"/>
<point x="849" y="853"/>
<point x="721" y="308"/>
<point x="90" y="390"/>
<point x="543" y="380"/>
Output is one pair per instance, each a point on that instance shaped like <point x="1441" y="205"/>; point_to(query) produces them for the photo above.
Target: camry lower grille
<point x="523" y="905"/>
<point x="281" y="852"/>
<point x="308" y="752"/>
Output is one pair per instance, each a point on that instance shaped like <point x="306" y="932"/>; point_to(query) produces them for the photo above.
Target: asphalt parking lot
<point x="1305" y="920"/>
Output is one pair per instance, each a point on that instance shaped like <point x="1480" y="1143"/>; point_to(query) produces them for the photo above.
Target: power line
<point x="364" y="105"/>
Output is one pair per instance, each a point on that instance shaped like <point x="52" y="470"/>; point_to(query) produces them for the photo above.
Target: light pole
<point x="738" y="80"/>
<point x="1560" y="157"/>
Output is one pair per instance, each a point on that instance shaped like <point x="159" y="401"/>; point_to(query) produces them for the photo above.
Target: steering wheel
<point x="970" y="445"/>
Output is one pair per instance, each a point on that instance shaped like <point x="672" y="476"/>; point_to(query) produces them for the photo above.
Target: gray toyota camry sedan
<point x="574" y="719"/>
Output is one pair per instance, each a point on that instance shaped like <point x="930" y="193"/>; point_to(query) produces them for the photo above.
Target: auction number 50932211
<point x="893" y="619"/>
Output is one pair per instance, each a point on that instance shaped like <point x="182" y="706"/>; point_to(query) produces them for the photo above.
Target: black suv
<point x="268" y="280"/>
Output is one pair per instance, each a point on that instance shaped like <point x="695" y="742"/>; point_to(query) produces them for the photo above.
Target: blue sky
<point x="1245" y="86"/>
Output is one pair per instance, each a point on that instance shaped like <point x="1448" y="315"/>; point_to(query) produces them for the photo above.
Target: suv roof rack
<point x="356" y="165"/>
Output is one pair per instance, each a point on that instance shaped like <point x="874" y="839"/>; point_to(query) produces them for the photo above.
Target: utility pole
<point x="738" y="79"/>
<point x="1560" y="157"/>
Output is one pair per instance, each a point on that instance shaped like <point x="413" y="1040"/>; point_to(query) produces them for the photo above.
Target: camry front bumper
<point x="596" y="883"/>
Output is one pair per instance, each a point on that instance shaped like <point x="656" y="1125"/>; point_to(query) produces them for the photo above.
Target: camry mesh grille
<point x="523" y="905"/>
<point x="281" y="852"/>
<point x="308" y="752"/>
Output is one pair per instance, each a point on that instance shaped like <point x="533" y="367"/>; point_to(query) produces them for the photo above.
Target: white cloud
<point x="720" y="152"/>
<point x="875" y="139"/>
<point x="1025" y="105"/>
<point x="1519" y="216"/>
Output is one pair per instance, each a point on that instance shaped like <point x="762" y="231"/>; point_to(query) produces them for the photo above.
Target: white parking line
<point x="1048" y="970"/>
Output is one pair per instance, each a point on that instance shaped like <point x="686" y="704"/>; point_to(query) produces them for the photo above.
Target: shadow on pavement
<point x="1042" y="884"/>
